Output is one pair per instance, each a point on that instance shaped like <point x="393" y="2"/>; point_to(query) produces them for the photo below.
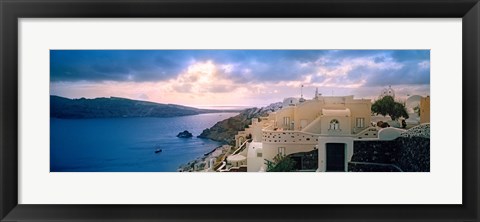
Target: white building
<point x="329" y="124"/>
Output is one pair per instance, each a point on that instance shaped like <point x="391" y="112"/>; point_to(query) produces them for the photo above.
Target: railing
<point x="219" y="169"/>
<point x="224" y="162"/>
<point x="268" y="127"/>
<point x="367" y="131"/>
<point x="241" y="147"/>
<point x="242" y="168"/>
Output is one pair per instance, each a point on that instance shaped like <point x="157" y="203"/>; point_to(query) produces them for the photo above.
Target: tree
<point x="388" y="106"/>
<point x="280" y="163"/>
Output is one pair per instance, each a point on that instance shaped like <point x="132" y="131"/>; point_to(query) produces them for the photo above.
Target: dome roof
<point x="388" y="92"/>
<point x="413" y="101"/>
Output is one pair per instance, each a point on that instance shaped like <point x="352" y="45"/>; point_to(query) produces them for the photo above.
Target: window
<point x="281" y="150"/>
<point x="259" y="154"/>
<point x="286" y="121"/>
<point x="360" y="123"/>
<point x="334" y="125"/>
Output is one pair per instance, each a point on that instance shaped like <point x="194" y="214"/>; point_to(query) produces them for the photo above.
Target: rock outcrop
<point x="184" y="134"/>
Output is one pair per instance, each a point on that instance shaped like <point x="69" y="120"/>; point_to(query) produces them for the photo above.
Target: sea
<point x="128" y="144"/>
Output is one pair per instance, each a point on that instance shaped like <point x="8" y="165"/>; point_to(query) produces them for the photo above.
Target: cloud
<point x="143" y="96"/>
<point x="246" y="66"/>
<point x="410" y="73"/>
<point x="154" y="65"/>
<point x="202" y="77"/>
<point x="240" y="76"/>
<point x="410" y="55"/>
<point x="113" y="65"/>
<point x="379" y="59"/>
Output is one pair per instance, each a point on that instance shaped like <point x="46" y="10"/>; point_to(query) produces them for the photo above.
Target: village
<point x="330" y="134"/>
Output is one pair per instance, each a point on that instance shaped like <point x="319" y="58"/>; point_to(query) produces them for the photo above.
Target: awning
<point x="236" y="158"/>
<point x="336" y="112"/>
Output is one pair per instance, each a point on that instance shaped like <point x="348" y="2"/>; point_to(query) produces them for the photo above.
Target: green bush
<point x="280" y="163"/>
<point x="388" y="106"/>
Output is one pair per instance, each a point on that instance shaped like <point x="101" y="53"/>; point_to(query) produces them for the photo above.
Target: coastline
<point x="108" y="144"/>
<point x="208" y="161"/>
<point x="224" y="132"/>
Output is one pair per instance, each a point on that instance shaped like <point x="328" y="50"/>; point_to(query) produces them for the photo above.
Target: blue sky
<point x="236" y="77"/>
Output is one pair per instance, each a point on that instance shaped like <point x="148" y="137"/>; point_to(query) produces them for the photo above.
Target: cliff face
<point x="225" y="130"/>
<point x="115" y="107"/>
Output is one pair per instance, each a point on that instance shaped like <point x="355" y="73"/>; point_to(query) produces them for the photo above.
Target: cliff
<point x="225" y="130"/>
<point x="115" y="107"/>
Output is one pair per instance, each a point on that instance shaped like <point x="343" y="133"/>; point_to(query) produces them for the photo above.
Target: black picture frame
<point x="11" y="11"/>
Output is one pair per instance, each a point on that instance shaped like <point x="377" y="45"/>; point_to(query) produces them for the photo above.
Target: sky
<point x="206" y="78"/>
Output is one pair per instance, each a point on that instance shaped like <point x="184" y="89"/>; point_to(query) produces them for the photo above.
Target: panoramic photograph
<point x="222" y="111"/>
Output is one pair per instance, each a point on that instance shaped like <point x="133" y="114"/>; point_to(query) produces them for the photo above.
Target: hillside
<point x="115" y="107"/>
<point x="225" y="130"/>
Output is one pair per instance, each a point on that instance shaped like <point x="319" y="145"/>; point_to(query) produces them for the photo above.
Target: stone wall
<point x="289" y="137"/>
<point x="422" y="130"/>
<point x="305" y="160"/>
<point x="371" y="167"/>
<point x="375" y="151"/>
<point x="414" y="155"/>
<point x="410" y="154"/>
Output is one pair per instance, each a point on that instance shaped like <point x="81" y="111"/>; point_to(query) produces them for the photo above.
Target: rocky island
<point x="184" y="134"/>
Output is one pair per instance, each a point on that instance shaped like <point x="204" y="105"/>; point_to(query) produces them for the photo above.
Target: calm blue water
<point x="128" y="144"/>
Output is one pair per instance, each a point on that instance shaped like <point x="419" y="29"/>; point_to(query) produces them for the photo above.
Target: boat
<point x="158" y="150"/>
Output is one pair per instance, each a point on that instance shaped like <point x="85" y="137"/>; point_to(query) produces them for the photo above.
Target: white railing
<point x="241" y="147"/>
<point x="268" y="127"/>
<point x="368" y="130"/>
<point x="224" y="162"/>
